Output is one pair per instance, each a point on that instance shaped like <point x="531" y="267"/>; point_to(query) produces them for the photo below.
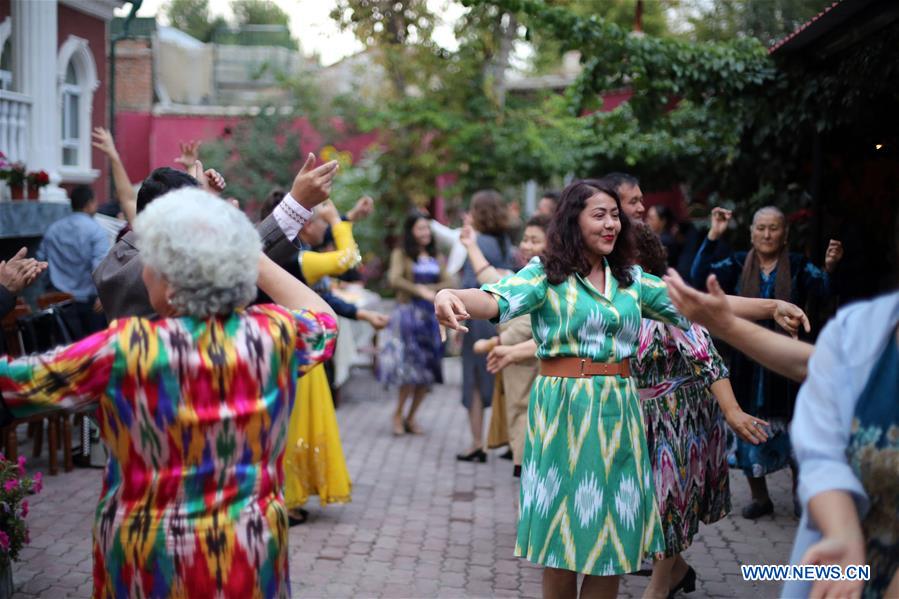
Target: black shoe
<point x="300" y="518"/>
<point x="507" y="455"/>
<point x="757" y="509"/>
<point x="687" y="584"/>
<point x="477" y="455"/>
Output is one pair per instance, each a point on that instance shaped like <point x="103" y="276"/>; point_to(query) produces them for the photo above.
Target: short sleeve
<point x="696" y="346"/>
<point x="521" y="293"/>
<point x="316" y="337"/>
<point x="655" y="303"/>
<point x="68" y="377"/>
<point x="821" y="424"/>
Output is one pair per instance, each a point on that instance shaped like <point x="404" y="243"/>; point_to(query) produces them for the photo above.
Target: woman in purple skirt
<point x="412" y="353"/>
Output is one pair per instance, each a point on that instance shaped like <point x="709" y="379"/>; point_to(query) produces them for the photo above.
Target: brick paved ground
<point x="420" y="524"/>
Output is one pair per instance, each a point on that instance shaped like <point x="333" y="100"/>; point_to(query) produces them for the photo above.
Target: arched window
<point x="5" y="56"/>
<point x="77" y="80"/>
<point x="71" y="113"/>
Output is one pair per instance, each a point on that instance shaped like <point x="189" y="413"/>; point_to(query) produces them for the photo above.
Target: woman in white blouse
<point x="845" y="432"/>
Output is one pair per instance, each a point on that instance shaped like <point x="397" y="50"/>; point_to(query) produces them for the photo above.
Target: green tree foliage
<point x="191" y="17"/>
<point x="547" y="49"/>
<point x="258" y="12"/>
<point x="260" y="154"/>
<point x="766" y="20"/>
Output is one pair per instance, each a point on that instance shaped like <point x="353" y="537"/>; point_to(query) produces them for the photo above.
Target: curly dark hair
<point x="410" y="246"/>
<point x="651" y="254"/>
<point x="564" y="254"/>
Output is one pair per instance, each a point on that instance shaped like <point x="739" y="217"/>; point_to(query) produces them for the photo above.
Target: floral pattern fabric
<point x="194" y="413"/>
<point x="685" y="431"/>
<point x="873" y="454"/>
<point x="587" y="499"/>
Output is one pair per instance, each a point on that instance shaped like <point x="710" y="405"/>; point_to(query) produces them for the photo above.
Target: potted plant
<point x="36" y="180"/>
<point x="15" y="177"/>
<point x="15" y="487"/>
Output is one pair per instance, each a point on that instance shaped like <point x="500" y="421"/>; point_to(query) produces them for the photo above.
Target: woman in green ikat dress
<point x="587" y="500"/>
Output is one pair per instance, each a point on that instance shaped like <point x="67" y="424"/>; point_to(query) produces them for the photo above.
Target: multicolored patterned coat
<point x="194" y="413"/>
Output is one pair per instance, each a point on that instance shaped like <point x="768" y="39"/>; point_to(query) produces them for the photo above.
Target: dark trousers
<point x="81" y="319"/>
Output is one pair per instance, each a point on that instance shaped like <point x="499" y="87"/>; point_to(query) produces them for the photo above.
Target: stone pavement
<point x="421" y="524"/>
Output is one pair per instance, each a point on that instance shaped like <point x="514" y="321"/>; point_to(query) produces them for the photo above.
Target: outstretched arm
<point x="287" y="290"/>
<point x="124" y="191"/>
<point x="786" y="356"/>
<point x="454" y="306"/>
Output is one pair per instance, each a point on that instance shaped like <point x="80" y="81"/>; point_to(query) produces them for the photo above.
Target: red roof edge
<point x="803" y="27"/>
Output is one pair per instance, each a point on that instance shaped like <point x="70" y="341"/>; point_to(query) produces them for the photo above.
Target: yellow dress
<point x="313" y="459"/>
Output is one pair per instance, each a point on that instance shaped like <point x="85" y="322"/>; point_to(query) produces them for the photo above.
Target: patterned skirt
<point x="587" y="500"/>
<point x="686" y="435"/>
<point x="412" y="350"/>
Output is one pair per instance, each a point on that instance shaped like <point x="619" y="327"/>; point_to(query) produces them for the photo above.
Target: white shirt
<point x="845" y="354"/>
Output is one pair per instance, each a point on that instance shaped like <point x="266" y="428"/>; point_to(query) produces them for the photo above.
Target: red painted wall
<point x="148" y="141"/>
<point x="93" y="29"/>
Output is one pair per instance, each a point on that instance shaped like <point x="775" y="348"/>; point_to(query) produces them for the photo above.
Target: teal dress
<point x="587" y="496"/>
<point x="873" y="454"/>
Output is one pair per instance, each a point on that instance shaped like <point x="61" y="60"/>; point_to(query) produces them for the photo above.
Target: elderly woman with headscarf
<point x="193" y="407"/>
<point x="768" y="270"/>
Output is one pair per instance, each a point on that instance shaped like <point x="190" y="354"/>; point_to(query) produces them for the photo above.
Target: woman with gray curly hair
<point x="193" y="407"/>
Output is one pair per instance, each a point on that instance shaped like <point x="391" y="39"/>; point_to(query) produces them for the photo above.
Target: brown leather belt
<point x="578" y="368"/>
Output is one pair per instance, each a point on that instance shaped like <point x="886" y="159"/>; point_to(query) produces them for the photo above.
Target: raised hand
<point x="312" y="185"/>
<point x="708" y="309"/>
<point x="214" y="180"/>
<point x="190" y="154"/>
<point x="468" y="237"/>
<point x="19" y="272"/>
<point x="718" y="223"/>
<point x="833" y="255"/>
<point x="327" y="211"/>
<point x="102" y="140"/>
<point x="364" y="206"/>
<point x="450" y="310"/>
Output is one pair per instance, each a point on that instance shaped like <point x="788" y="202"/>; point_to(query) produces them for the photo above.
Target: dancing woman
<point x="516" y="379"/>
<point x="489" y="218"/>
<point x="587" y="501"/>
<point x="193" y="407"/>
<point x="314" y="462"/>
<point x="768" y="270"/>
<point x="413" y="351"/>
<point x="684" y="390"/>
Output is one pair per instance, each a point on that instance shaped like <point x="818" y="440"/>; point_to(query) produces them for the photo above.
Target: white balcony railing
<point x="14" y="117"/>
